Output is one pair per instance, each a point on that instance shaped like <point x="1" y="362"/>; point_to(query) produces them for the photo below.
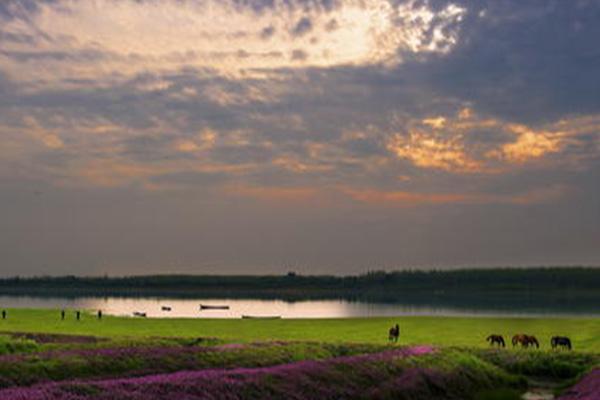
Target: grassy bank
<point x="442" y="331"/>
<point x="43" y="357"/>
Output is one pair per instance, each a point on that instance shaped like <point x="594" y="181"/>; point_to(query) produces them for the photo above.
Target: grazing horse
<point x="496" y="339"/>
<point x="561" y="341"/>
<point x="525" y="341"/>
<point x="394" y="333"/>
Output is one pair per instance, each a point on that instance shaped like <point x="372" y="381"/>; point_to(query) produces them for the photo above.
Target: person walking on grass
<point x="3" y="314"/>
<point x="99" y="314"/>
<point x="78" y="315"/>
<point x="62" y="314"/>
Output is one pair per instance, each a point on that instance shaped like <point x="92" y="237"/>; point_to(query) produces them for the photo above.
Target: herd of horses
<point x="527" y="341"/>
<point x="521" y="339"/>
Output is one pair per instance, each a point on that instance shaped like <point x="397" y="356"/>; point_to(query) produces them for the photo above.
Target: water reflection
<point x="190" y="308"/>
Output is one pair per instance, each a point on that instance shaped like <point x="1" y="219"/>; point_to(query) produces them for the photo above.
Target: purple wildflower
<point x="342" y="377"/>
<point x="587" y="389"/>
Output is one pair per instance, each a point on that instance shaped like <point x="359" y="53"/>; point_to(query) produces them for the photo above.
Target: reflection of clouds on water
<point x="190" y="308"/>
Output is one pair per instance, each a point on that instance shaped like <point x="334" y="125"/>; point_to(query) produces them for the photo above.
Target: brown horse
<point x="525" y="341"/>
<point x="394" y="333"/>
<point x="496" y="339"/>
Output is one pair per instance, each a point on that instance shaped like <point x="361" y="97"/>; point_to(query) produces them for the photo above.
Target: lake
<point x="190" y="308"/>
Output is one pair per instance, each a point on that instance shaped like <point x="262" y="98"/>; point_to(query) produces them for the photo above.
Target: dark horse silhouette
<point x="498" y="339"/>
<point x="561" y="341"/>
<point x="525" y="341"/>
<point x="394" y="333"/>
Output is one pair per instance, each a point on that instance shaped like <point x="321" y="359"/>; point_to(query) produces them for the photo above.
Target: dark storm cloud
<point x="527" y="61"/>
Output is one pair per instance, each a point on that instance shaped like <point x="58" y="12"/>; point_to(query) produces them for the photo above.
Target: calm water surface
<point x="190" y="308"/>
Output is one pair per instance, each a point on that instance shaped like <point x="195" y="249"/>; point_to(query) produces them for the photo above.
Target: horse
<point x="496" y="339"/>
<point x="561" y="341"/>
<point x="525" y="341"/>
<point x="394" y="333"/>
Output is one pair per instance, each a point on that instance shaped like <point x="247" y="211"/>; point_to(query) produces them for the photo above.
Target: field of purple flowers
<point x="391" y="374"/>
<point x="139" y="359"/>
<point x="58" y="368"/>
<point x="587" y="389"/>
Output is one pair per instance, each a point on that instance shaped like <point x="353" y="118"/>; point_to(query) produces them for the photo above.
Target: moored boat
<point x="261" y="316"/>
<point x="213" y="307"/>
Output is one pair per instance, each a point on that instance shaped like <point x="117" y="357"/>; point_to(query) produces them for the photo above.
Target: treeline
<point x="576" y="281"/>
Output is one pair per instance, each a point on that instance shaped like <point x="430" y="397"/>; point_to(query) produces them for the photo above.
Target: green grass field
<point x="443" y="331"/>
<point x="348" y="352"/>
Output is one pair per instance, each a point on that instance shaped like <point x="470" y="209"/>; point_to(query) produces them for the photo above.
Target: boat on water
<point x="165" y="308"/>
<point x="213" y="307"/>
<point x="261" y="316"/>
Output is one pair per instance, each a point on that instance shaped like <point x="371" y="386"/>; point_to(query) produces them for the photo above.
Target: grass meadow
<point x="44" y="357"/>
<point x="440" y="331"/>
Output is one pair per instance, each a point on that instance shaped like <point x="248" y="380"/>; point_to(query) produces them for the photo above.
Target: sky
<point x="319" y="136"/>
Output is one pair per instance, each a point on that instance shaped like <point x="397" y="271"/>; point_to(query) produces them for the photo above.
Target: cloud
<point x="454" y="143"/>
<point x="128" y="38"/>
<point x="412" y="199"/>
<point x="332" y="25"/>
<point x="299" y="55"/>
<point x="267" y="32"/>
<point x="529" y="145"/>
<point x="429" y="152"/>
<point x="291" y="116"/>
<point x="5" y="84"/>
<point x="52" y="141"/>
<point x="527" y="62"/>
<point x="204" y="141"/>
<point x="437" y="115"/>
<point x="303" y="27"/>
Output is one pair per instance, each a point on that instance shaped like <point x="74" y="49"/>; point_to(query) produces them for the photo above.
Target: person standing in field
<point x="62" y="314"/>
<point x="99" y="314"/>
<point x="3" y="314"/>
<point x="78" y="315"/>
